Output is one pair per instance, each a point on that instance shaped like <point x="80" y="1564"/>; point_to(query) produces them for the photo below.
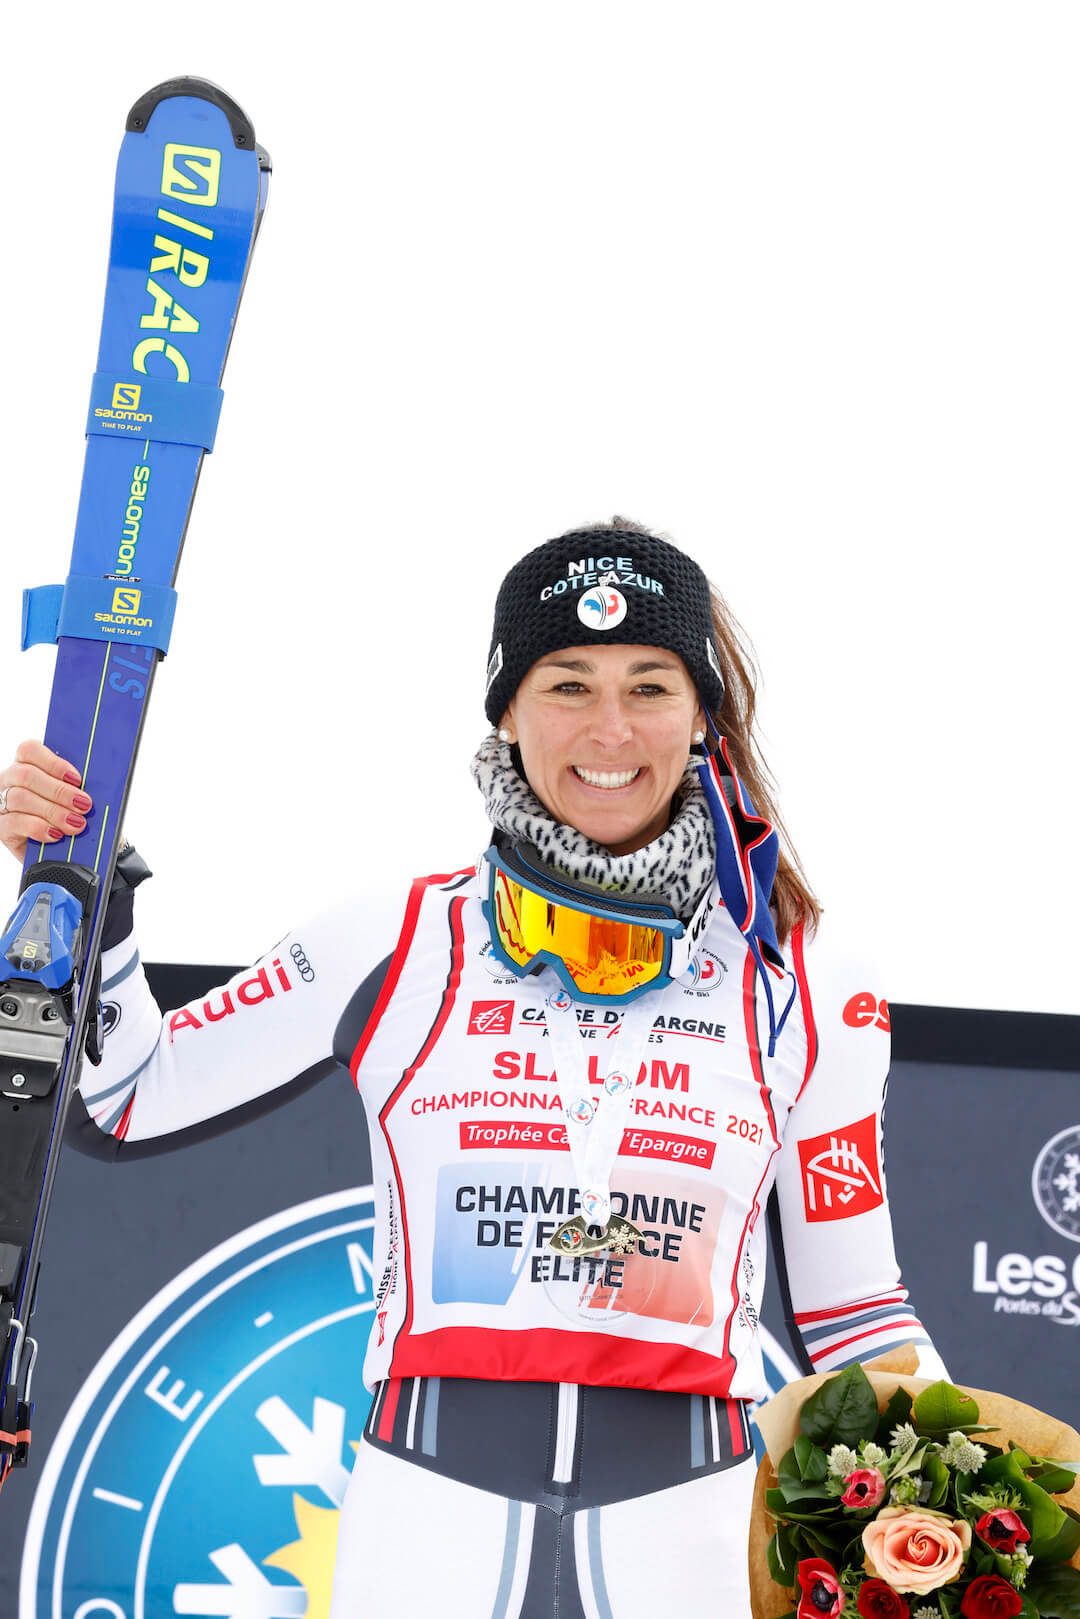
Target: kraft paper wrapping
<point x="1034" y="1431"/>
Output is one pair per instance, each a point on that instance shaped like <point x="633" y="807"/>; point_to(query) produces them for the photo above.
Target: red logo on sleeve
<point x="840" y="1170"/>
<point x="864" y="1009"/>
<point x="491" y="1017"/>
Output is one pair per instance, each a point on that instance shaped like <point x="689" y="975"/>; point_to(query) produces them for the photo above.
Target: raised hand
<point x="42" y="799"/>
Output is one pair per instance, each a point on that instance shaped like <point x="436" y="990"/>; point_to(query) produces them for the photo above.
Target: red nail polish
<point x="76" y="821"/>
<point x="72" y="779"/>
<point x="81" y="802"/>
<point x="55" y="832"/>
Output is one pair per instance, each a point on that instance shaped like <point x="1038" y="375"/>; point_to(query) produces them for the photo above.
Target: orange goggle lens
<point x="601" y="955"/>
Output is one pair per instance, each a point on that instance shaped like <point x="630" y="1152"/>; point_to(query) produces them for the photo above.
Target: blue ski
<point x="191" y="186"/>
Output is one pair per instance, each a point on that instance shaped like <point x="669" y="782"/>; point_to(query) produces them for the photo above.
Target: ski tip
<point x="243" y="132"/>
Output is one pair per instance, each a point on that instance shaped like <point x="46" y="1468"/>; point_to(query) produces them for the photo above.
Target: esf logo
<point x="213" y="1441"/>
<point x="864" y="1010"/>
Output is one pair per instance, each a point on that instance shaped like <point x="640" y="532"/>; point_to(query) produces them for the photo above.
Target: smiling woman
<point x="570" y="1163"/>
<point x="572" y="719"/>
<point x="604" y="734"/>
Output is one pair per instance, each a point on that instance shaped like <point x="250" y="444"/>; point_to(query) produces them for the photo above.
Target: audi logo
<point x="303" y="965"/>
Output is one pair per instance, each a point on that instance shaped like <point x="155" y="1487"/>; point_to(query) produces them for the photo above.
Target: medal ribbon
<point x="596" y="1117"/>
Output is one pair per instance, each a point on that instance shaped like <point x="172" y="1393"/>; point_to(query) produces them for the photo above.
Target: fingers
<point x="32" y="752"/>
<point x="44" y="801"/>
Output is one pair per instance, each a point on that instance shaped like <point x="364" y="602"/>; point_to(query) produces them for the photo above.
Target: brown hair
<point x="792" y="896"/>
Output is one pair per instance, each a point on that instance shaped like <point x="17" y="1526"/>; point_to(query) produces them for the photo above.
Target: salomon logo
<point x="303" y="965"/>
<point x="191" y="174"/>
<point x="126" y="396"/>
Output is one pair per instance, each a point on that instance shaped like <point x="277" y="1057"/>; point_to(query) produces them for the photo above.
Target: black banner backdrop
<point x="983" y="1142"/>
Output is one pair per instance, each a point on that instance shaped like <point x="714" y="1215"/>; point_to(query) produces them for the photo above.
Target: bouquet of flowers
<point x="881" y="1497"/>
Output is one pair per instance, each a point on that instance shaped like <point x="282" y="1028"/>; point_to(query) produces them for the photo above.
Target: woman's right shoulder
<point x="358" y="928"/>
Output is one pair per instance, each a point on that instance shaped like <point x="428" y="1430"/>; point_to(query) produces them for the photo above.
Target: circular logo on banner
<point x="203" y="1464"/>
<point x="602" y="608"/>
<point x="1055" y="1183"/>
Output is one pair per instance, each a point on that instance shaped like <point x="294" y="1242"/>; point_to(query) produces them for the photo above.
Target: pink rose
<point x="864" y="1488"/>
<point x="914" y="1550"/>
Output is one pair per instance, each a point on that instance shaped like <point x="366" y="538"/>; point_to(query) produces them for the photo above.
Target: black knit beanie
<point x="596" y="586"/>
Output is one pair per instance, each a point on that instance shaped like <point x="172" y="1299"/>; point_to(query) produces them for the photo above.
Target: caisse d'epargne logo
<point x="202" y="1467"/>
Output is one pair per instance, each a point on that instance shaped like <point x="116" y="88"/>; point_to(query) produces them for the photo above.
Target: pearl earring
<point x="699" y="737"/>
<point x="504" y="735"/>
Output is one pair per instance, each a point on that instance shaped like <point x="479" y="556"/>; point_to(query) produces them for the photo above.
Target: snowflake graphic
<point x="1069" y="1182"/>
<point x="1056" y="1182"/>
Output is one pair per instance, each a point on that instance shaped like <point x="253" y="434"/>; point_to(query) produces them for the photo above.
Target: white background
<point x="797" y="283"/>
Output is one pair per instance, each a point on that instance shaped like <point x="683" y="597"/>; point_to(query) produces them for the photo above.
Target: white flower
<point x="842" y="1461"/>
<point x="904" y="1437"/>
<point x="873" y="1455"/>
<point x="962" y="1454"/>
<point x="926" y="1613"/>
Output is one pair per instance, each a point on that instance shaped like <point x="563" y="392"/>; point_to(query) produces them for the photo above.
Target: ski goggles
<point x="603" y="947"/>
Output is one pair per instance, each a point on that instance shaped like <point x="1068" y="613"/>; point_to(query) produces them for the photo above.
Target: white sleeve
<point x="846" y="1293"/>
<point x="269" y="1024"/>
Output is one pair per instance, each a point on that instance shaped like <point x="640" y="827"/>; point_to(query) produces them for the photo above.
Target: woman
<point x="584" y="1065"/>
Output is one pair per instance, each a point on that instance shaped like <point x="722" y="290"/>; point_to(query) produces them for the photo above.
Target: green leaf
<point x="943" y="1407"/>
<point x="1064" y="1543"/>
<point x="842" y="1411"/>
<point x="912" y="1464"/>
<point x="897" y="1412"/>
<point x="790" y="1479"/>
<point x="782" y="1557"/>
<point x="1052" y="1477"/>
<point x="1055" y="1533"/>
<point x="1055" y="1592"/>
<point x="948" y="1600"/>
<point x="934" y="1469"/>
<point x="813" y="1463"/>
<point x="777" y="1504"/>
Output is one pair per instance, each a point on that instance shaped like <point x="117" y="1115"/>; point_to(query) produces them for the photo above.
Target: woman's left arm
<point x="847" y="1297"/>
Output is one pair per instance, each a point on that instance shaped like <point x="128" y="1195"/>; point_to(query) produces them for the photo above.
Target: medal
<point x="573" y="1237"/>
<point x="595" y="1124"/>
